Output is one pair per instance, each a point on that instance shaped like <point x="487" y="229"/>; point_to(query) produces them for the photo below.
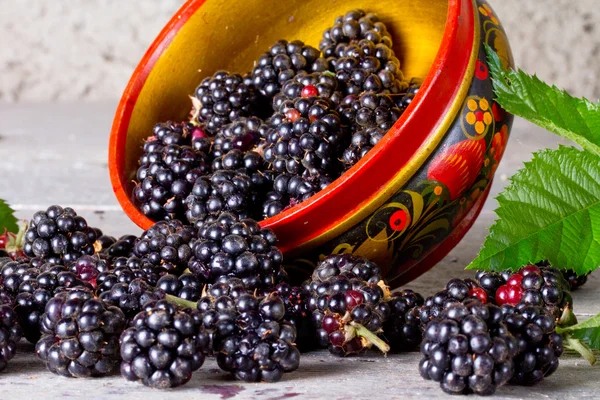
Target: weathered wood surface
<point x="57" y="154"/>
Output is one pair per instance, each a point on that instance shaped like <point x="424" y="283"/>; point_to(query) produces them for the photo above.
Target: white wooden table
<point x="57" y="154"/>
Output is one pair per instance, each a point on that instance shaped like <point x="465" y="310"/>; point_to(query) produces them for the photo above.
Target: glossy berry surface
<point x="163" y="346"/>
<point x="80" y="335"/>
<point x="10" y="334"/>
<point x="400" y="332"/>
<point x="131" y="297"/>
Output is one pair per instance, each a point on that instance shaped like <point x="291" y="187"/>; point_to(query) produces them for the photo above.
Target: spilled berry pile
<point x="258" y="143"/>
<point x="207" y="281"/>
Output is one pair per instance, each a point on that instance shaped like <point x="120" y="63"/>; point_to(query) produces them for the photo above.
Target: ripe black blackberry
<point x="575" y="281"/>
<point x="249" y="163"/>
<point x="122" y="247"/>
<point x="403" y="101"/>
<point x="468" y="349"/>
<point x="362" y="142"/>
<point x="187" y="286"/>
<point x="305" y="85"/>
<point x="163" y="346"/>
<point x="282" y="62"/>
<point x="250" y="337"/>
<point x="539" y="286"/>
<point x="32" y="287"/>
<point x="80" y="335"/>
<point x="131" y="296"/>
<point x="10" y="333"/>
<point x="223" y="191"/>
<point x="348" y="302"/>
<point x="352" y="27"/>
<point x="369" y="110"/>
<point x="166" y="244"/>
<point x="368" y="67"/>
<point x="58" y="235"/>
<point x="168" y="168"/>
<point x="307" y="140"/>
<point x="538" y="343"/>
<point x="289" y="190"/>
<point x="457" y="290"/>
<point x="295" y="299"/>
<point x="400" y="332"/>
<point x="222" y="98"/>
<point x="237" y="248"/>
<point x="241" y="134"/>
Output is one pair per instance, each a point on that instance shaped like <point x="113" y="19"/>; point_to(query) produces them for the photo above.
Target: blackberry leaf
<point x="547" y="106"/>
<point x="8" y="222"/>
<point x="550" y="210"/>
<point x="588" y="331"/>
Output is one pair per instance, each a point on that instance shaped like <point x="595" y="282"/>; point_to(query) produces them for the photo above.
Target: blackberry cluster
<point x="348" y="304"/>
<point x="187" y="286"/>
<point x="539" y="286"/>
<point x="400" y="331"/>
<point x="468" y="349"/>
<point x="352" y="27"/>
<point x="305" y="85"/>
<point x="241" y="134"/>
<point x="163" y="346"/>
<point x="172" y="159"/>
<point x="166" y="244"/>
<point x="457" y="290"/>
<point x="223" y="98"/>
<point x="307" y="140"/>
<point x="81" y="335"/>
<point x="282" y="62"/>
<point x="249" y="336"/>
<point x="58" y="235"/>
<point x="32" y="286"/>
<point x="538" y="343"/>
<point x="238" y="248"/>
<point x="10" y="333"/>
<point x="132" y="296"/>
<point x="223" y="191"/>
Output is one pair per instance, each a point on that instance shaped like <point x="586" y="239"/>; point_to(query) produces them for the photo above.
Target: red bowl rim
<point x="446" y="78"/>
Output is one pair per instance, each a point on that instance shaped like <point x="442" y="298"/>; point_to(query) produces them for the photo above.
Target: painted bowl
<point x="411" y="199"/>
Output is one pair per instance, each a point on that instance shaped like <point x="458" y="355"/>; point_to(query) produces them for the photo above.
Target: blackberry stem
<point x="180" y="302"/>
<point x="370" y="337"/>
<point x="581" y="348"/>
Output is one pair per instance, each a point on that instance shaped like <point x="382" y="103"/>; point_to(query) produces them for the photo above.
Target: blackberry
<point x="305" y="85"/>
<point x="290" y="190"/>
<point x="250" y="337"/>
<point x="575" y="281"/>
<point x="168" y="168"/>
<point x="363" y="140"/>
<point x="58" y="235"/>
<point x="122" y="247"/>
<point x="238" y="248"/>
<point x="81" y="335"/>
<point x="295" y="299"/>
<point x="538" y="343"/>
<point x="348" y="304"/>
<point x="87" y="268"/>
<point x="163" y="346"/>
<point x="249" y="163"/>
<point x="32" y="287"/>
<point x="352" y="27"/>
<point x="141" y="268"/>
<point x="223" y="191"/>
<point x="222" y="98"/>
<point x="457" y="290"/>
<point x="491" y="281"/>
<point x="10" y="333"/>
<point x="368" y="67"/>
<point x="539" y="286"/>
<point x="241" y="134"/>
<point x="187" y="286"/>
<point x="166" y="244"/>
<point x="468" y="349"/>
<point x="403" y="101"/>
<point x="369" y="110"/>
<point x="400" y="333"/>
<point x="132" y="296"/>
<point x="282" y="62"/>
<point x="307" y="140"/>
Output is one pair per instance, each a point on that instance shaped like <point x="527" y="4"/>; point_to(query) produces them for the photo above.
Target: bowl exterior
<point x="423" y="220"/>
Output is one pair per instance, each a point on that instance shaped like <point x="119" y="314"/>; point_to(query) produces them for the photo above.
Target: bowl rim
<point x="443" y="82"/>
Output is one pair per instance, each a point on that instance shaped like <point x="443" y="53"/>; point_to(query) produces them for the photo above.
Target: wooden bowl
<point x="409" y="200"/>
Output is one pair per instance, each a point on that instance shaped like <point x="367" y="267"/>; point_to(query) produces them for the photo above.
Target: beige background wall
<point x="85" y="50"/>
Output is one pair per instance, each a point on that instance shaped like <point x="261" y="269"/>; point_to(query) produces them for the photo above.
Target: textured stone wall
<point x="72" y="50"/>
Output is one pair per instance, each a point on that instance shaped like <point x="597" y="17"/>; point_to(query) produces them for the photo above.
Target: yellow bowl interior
<point x="231" y="35"/>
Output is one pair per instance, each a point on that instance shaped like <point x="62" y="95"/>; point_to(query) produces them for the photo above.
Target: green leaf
<point x="547" y="106"/>
<point x="588" y="331"/>
<point x="8" y="221"/>
<point x="550" y="211"/>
